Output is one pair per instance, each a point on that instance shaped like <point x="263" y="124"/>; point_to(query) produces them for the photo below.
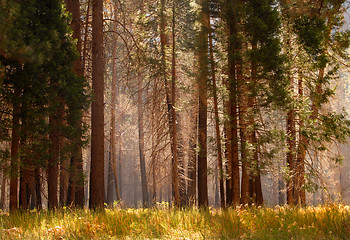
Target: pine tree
<point x="97" y="110"/>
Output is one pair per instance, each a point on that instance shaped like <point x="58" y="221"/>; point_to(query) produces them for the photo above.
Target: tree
<point x="145" y="197"/>
<point x="231" y="127"/>
<point x="76" y="181"/>
<point x="202" y="51"/>
<point x="97" y="109"/>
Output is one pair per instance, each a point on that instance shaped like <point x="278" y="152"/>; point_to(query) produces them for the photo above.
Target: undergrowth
<point x="326" y="222"/>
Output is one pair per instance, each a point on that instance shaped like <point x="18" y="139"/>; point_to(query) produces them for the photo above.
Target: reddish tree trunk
<point x="192" y="156"/>
<point x="97" y="109"/>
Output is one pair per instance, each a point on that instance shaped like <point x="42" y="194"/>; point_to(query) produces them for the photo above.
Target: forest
<point x="184" y="103"/>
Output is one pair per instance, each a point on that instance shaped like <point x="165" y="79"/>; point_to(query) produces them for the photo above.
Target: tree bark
<point x="54" y="149"/>
<point x="255" y="181"/>
<point x="192" y="156"/>
<point x="202" y="107"/>
<point x="37" y="176"/>
<point x="245" y="183"/>
<point x="301" y="153"/>
<point x="97" y="109"/>
<point x="86" y="29"/>
<point x="113" y="108"/>
<point x="173" y="119"/>
<point x="217" y="124"/>
<point x="76" y="180"/>
<point x="145" y="197"/>
<point x="24" y="165"/>
<point x="233" y="196"/>
<point x="15" y="140"/>
<point x="3" y="190"/>
<point x="170" y="98"/>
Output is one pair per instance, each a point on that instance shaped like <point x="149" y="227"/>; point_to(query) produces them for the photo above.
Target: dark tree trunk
<point x="3" y="190"/>
<point x="97" y="109"/>
<point x="37" y="176"/>
<point x="15" y="140"/>
<point x="300" y="181"/>
<point x="170" y="90"/>
<point x="145" y="197"/>
<point x="233" y="185"/>
<point x="217" y="124"/>
<point x="291" y="151"/>
<point x="54" y="149"/>
<point x="111" y="196"/>
<point x="77" y="175"/>
<point x="202" y="107"/>
<point x="113" y="159"/>
<point x="64" y="181"/>
<point x="256" y="191"/>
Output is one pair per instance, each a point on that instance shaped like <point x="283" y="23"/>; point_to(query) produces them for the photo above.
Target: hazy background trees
<point x="189" y="99"/>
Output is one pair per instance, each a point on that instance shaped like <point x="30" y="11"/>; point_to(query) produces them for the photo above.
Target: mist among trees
<point x="194" y="103"/>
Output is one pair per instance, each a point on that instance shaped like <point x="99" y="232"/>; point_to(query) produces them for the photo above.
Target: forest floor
<point x="323" y="222"/>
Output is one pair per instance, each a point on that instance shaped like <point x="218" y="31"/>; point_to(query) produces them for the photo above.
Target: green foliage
<point x="262" y="27"/>
<point x="39" y="55"/>
<point x="312" y="32"/>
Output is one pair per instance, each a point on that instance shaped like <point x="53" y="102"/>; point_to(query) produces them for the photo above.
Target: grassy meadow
<point x="327" y="222"/>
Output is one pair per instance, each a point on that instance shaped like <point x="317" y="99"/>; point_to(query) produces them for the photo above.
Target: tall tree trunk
<point x="24" y="163"/>
<point x="145" y="197"/>
<point x="154" y="181"/>
<point x="64" y="168"/>
<point x="245" y="183"/>
<point x="181" y="162"/>
<point x="120" y="176"/>
<point x="217" y="124"/>
<point x="301" y="152"/>
<point x="37" y="176"/>
<point x="231" y="108"/>
<point x="291" y="135"/>
<point x="202" y="107"/>
<point x="113" y="106"/>
<point x="77" y="175"/>
<point x="155" y="141"/>
<point x="192" y="156"/>
<point x="173" y="117"/>
<point x="135" y="185"/>
<point x="54" y="149"/>
<point x="64" y="181"/>
<point x="290" y="156"/>
<point x="97" y="109"/>
<point x="86" y="30"/>
<point x="255" y="183"/>
<point x="3" y="190"/>
<point x="111" y="196"/>
<point x="228" y="153"/>
<point x="15" y="140"/>
<point x="170" y="98"/>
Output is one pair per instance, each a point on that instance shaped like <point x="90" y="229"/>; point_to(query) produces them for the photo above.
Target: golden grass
<point x="323" y="222"/>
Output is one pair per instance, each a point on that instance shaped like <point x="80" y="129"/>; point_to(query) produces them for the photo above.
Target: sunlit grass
<point x="328" y="222"/>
